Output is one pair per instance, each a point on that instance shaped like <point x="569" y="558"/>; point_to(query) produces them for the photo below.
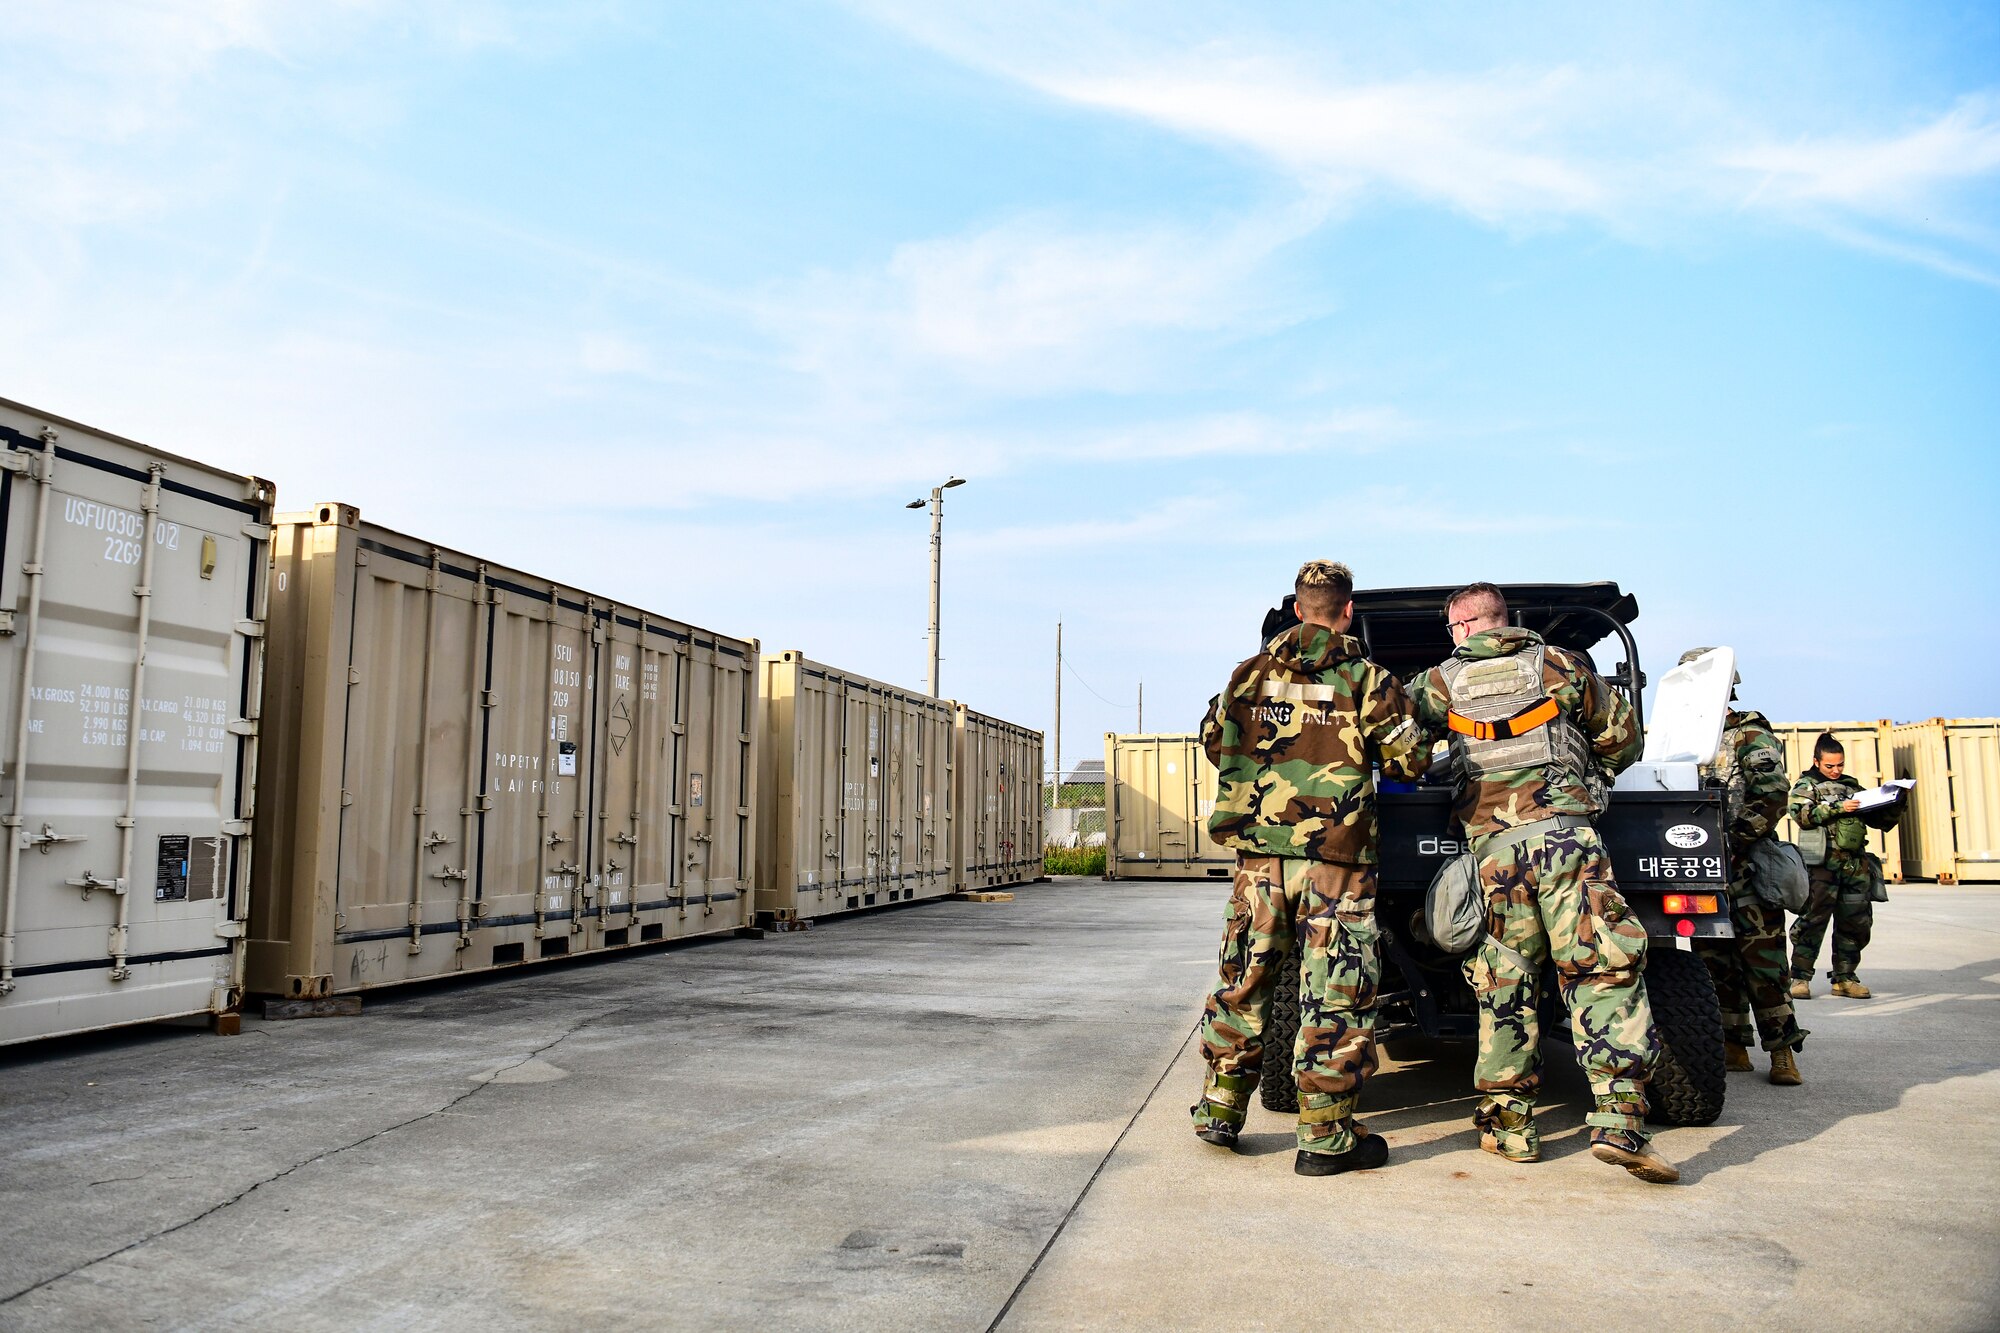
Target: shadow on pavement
<point x="1427" y="1084"/>
<point x="1925" y="1017"/>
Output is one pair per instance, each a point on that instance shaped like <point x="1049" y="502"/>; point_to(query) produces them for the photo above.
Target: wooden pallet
<point x="983" y="896"/>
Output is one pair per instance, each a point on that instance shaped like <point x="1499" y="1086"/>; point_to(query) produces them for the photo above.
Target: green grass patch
<point x="1073" y="860"/>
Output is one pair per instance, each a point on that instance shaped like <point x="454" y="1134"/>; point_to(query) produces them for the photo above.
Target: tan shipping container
<point x="857" y="808"/>
<point x="999" y="807"/>
<point x="131" y="622"/>
<point x="1158" y="793"/>
<point x="468" y="767"/>
<point x="1870" y="761"/>
<point x="1952" y="831"/>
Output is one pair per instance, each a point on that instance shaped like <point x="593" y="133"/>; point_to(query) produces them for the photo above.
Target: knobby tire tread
<point x="1688" y="1083"/>
<point x="1277" y="1089"/>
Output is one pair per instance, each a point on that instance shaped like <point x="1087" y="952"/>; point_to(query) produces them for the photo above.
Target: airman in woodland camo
<point x="1750" y="970"/>
<point x="1536" y="736"/>
<point x="1843" y="883"/>
<point x="1294" y="738"/>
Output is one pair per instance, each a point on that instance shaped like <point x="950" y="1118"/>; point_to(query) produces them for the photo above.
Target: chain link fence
<point x="1073" y="820"/>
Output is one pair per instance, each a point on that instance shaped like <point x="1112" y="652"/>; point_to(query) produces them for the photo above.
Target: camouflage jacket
<point x="1527" y="795"/>
<point x="1816" y="803"/>
<point x="1750" y="765"/>
<point x="1293" y="738"/>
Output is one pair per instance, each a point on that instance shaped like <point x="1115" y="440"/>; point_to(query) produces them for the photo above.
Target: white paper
<point x="1885" y="794"/>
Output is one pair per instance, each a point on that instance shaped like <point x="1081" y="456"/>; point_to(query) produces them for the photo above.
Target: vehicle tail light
<point x="1684" y="927"/>
<point x="1690" y="904"/>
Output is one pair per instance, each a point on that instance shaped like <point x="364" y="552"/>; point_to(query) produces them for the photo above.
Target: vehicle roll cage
<point x="1404" y="628"/>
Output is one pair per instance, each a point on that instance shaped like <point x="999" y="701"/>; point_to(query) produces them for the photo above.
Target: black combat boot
<point x="1369" y="1152"/>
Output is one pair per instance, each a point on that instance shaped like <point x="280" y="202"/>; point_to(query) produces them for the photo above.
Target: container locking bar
<point x="48" y="838"/>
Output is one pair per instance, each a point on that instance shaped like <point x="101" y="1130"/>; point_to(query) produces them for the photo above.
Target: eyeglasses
<point x="1451" y="625"/>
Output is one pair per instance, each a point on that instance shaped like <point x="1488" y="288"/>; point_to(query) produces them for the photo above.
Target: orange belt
<point x="1506" y="728"/>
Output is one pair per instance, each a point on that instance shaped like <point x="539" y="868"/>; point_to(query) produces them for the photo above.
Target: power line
<point x="1086" y="685"/>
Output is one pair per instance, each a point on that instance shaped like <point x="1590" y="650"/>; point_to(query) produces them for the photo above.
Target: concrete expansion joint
<point x="254" y="1186"/>
<point x="1084" y="1193"/>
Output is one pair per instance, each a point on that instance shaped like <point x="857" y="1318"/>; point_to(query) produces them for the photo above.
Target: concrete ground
<point x="957" y="1113"/>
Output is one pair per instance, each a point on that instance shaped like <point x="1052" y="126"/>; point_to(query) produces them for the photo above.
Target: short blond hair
<point x="1324" y="585"/>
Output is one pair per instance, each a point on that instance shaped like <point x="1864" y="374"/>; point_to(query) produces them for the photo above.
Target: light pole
<point x="937" y="566"/>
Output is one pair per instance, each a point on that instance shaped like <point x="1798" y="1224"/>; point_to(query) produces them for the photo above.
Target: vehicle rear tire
<point x="1688" y="1082"/>
<point x="1277" y="1089"/>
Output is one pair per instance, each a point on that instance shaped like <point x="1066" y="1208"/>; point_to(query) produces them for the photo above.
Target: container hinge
<point x="243" y="726"/>
<point x="257" y="532"/>
<point x="346" y="798"/>
<point x="250" y="629"/>
<point x="236" y="828"/>
<point x="90" y="883"/>
<point x="354" y="675"/>
<point x="6" y="622"/>
<point x="15" y="461"/>
<point x="489" y="698"/>
<point x="48" y="838"/>
<point x="229" y="930"/>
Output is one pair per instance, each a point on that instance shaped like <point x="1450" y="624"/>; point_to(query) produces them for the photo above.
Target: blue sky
<point x="681" y="303"/>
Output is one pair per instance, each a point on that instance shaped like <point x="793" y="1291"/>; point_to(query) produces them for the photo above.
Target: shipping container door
<point x="139" y="666"/>
<point x="875" y="786"/>
<point x="934" y="816"/>
<point x="1137" y="777"/>
<point x="534" y="843"/>
<point x="852" y="766"/>
<point x="717" y="695"/>
<point x="899" y="776"/>
<point x="820" y="792"/>
<point x="416" y="667"/>
<point x="635" y="751"/>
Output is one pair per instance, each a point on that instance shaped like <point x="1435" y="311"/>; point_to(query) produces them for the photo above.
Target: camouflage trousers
<point x="1839" y="895"/>
<point x="1751" y="978"/>
<point x="1551" y="897"/>
<point x="1327" y="911"/>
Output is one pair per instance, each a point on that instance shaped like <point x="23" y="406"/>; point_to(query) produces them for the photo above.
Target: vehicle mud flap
<point x="1279" y="1090"/>
<point x="1688" y="1082"/>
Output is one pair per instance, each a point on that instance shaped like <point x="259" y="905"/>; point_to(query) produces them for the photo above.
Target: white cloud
<point x="1175" y="518"/>
<point x="1470" y="144"/>
<point x="1637" y="147"/>
<point x="1909" y="196"/>
<point x="1035" y="305"/>
<point x="1897" y="174"/>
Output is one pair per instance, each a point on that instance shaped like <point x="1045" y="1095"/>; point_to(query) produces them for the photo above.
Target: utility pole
<point x="937" y="569"/>
<point x="1058" y="726"/>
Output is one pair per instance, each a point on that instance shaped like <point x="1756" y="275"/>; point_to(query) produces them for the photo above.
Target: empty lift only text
<point x="470" y="767"/>
<point x="857" y="788"/>
<point x="131" y="616"/>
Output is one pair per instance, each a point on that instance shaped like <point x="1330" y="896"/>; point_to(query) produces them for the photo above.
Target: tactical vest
<point x="1727" y="772"/>
<point x="1847" y="833"/>
<point x="1503" y="721"/>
